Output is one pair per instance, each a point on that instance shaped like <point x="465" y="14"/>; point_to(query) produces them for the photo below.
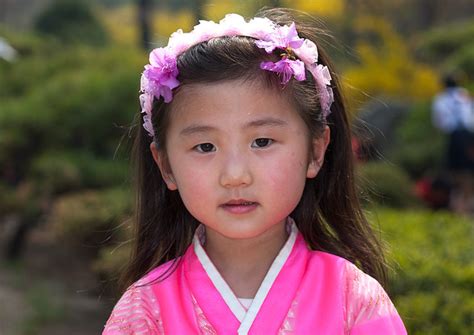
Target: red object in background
<point x="356" y="148"/>
<point x="423" y="188"/>
<point x="435" y="192"/>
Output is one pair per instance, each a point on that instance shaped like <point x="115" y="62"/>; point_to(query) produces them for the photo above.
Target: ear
<point x="164" y="167"/>
<point x="318" y="150"/>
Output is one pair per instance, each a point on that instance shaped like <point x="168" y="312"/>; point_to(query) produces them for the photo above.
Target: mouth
<point x="239" y="206"/>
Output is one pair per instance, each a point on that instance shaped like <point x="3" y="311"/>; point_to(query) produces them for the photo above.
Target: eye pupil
<point x="262" y="142"/>
<point x="206" y="147"/>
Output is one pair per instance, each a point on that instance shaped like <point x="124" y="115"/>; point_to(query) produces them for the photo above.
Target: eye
<point x="205" y="147"/>
<point x="261" y="142"/>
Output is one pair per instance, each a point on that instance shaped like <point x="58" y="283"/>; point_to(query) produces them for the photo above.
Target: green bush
<point x="84" y="105"/>
<point x="59" y="172"/>
<point x="462" y="61"/>
<point x="63" y="117"/>
<point x="419" y="146"/>
<point x="55" y="173"/>
<point x="25" y="71"/>
<point x="385" y="184"/>
<point x="91" y="217"/>
<point x="437" y="44"/>
<point x="432" y="283"/>
<point x="71" y="21"/>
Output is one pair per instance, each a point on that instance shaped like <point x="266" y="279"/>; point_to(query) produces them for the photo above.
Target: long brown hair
<point x="329" y="214"/>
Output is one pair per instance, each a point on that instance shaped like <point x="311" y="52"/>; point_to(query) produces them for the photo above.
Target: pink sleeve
<point x="137" y="312"/>
<point x="369" y="310"/>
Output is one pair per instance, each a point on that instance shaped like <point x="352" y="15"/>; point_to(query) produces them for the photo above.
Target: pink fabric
<point x="391" y="324"/>
<point x="367" y="304"/>
<point x="315" y="291"/>
<point x="137" y="312"/>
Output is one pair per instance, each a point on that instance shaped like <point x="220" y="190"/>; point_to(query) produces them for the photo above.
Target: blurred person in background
<point x="453" y="114"/>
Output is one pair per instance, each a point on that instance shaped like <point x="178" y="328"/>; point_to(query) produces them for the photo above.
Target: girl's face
<point x="239" y="155"/>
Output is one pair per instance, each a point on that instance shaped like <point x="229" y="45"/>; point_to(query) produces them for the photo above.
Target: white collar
<point x="246" y="317"/>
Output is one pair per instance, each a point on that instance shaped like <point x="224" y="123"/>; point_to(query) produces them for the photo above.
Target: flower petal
<point x="180" y="42"/>
<point x="308" y="52"/>
<point x="286" y="68"/>
<point x="259" y="28"/>
<point x="206" y="30"/>
<point x="298" y="69"/>
<point x="269" y="46"/>
<point x="146" y="101"/>
<point x="292" y="39"/>
<point x="232" y="24"/>
<point x="148" y="125"/>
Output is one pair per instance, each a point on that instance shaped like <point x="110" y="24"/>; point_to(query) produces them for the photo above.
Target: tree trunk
<point x="144" y="15"/>
<point x="28" y="219"/>
<point x="427" y="13"/>
<point x="197" y="6"/>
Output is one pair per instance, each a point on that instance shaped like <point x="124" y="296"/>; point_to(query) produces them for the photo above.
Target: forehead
<point x="229" y="104"/>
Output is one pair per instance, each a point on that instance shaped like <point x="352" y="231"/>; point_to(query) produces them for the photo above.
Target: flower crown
<point x="159" y="77"/>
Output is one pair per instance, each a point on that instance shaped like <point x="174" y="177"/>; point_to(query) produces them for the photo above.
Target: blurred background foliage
<point x="432" y="268"/>
<point x="69" y="99"/>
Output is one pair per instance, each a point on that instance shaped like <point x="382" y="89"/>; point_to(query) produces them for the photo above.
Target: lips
<point x="239" y="202"/>
<point x="239" y="206"/>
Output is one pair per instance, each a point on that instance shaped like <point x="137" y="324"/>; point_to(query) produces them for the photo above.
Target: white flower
<point x="206" y="30"/>
<point x="232" y="25"/>
<point x="260" y="28"/>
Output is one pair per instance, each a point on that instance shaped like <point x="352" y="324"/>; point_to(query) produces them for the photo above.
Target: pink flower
<point x="232" y="25"/>
<point x="148" y="125"/>
<point x="322" y="72"/>
<point x="287" y="68"/>
<point x="143" y="83"/>
<point x="283" y="37"/>
<point x="161" y="74"/>
<point x="260" y="28"/>
<point x="308" y="52"/>
<point x="322" y="76"/>
<point x="146" y="101"/>
<point x="206" y="30"/>
<point x="180" y="42"/>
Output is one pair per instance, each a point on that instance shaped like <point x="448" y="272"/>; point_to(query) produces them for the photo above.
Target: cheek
<point x="193" y="186"/>
<point x="287" y="175"/>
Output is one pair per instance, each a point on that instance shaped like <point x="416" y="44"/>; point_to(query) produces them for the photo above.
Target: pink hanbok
<point x="304" y="292"/>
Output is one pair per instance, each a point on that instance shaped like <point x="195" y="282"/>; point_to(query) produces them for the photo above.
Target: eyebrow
<point x="265" y="122"/>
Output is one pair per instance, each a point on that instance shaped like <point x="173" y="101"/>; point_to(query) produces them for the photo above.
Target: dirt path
<point x="51" y="290"/>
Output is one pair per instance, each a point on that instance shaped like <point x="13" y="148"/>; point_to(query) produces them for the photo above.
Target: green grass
<point x="433" y="269"/>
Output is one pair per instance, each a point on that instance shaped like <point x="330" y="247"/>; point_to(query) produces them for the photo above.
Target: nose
<point x="235" y="171"/>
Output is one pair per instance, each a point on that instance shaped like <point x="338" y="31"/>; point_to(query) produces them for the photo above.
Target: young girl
<point x="248" y="220"/>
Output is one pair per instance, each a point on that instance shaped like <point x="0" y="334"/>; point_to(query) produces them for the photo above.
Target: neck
<point x="243" y="263"/>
